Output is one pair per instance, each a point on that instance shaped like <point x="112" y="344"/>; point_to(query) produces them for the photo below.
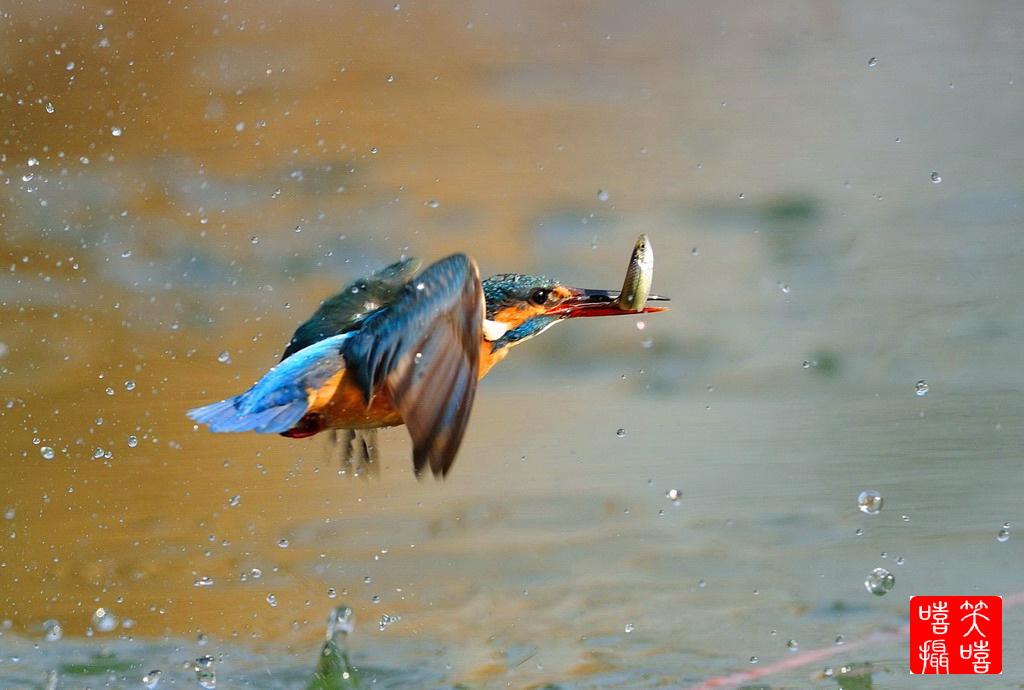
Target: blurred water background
<point x="834" y="195"/>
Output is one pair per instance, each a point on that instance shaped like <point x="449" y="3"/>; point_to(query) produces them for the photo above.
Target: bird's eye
<point x="540" y="296"/>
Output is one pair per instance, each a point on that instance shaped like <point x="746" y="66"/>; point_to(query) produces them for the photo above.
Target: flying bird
<point x="406" y="346"/>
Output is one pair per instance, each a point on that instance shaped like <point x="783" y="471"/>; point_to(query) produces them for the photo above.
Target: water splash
<point x="206" y="674"/>
<point x="334" y="670"/>
<point x="880" y="582"/>
<point x="870" y="502"/>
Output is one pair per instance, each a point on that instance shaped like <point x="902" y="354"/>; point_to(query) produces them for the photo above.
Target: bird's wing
<point x="346" y="310"/>
<point x="278" y="401"/>
<point x="425" y="349"/>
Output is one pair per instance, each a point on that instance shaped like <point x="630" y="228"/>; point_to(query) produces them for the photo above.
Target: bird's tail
<point x="225" y="416"/>
<point x="281" y="397"/>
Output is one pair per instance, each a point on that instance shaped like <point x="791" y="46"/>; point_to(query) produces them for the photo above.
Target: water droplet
<point x="858" y="532"/>
<point x="674" y="495"/>
<point x="254" y="239"/>
<point x="840" y="639"/>
<point x="104" y="620"/>
<point x="133" y="441"/>
<point x="272" y="600"/>
<point x="629" y="628"/>
<point x="152" y="679"/>
<point x="332" y="593"/>
<point x="129" y="385"/>
<point x="206" y="675"/>
<point x="870" y="502"/>
<point x="224" y="357"/>
<point x="46" y="452"/>
<point x="283" y="543"/>
<point x="70" y="66"/>
<point x="922" y="387"/>
<point x="116" y="131"/>
<point x="397" y="7"/>
<point x="50" y="108"/>
<point x="1004" y="533"/>
<point x="753" y="659"/>
<point x="621" y="433"/>
<point x="784" y="288"/>
<point x="602" y="195"/>
<point x="255" y="573"/>
<point x="204" y="581"/>
<point x="387" y="620"/>
<point x="52" y="630"/>
<point x="9" y="514"/>
<point x="433" y="203"/>
<point x="234" y="501"/>
<point x="742" y="196"/>
<point x="936" y="178"/>
<point x="880" y="581"/>
<point x="373" y="150"/>
<point x="390" y="78"/>
<point x="375" y="599"/>
<point x="793" y="645"/>
<point x="872" y="62"/>
<point x="110" y="391"/>
<point x="366" y="580"/>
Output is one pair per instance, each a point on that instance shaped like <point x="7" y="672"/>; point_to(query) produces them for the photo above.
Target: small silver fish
<point x="637" y="285"/>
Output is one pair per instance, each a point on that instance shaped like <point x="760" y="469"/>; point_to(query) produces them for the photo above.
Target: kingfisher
<point x="404" y="346"/>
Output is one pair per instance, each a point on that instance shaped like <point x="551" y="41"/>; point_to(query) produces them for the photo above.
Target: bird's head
<point x="521" y="306"/>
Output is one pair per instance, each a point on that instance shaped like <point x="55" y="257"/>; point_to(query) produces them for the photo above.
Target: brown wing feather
<point x="346" y="310"/>
<point x="435" y="397"/>
<point x="426" y="351"/>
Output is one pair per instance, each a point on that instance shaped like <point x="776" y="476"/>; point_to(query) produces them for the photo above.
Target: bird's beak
<point x="599" y="303"/>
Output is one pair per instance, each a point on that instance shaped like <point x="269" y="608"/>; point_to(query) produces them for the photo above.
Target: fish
<point x="639" y="274"/>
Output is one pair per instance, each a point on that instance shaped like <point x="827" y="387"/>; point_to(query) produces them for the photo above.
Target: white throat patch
<point x="493" y="330"/>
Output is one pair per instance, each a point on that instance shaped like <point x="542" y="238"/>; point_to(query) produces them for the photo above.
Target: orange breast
<point x="341" y="405"/>
<point x="489" y="359"/>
